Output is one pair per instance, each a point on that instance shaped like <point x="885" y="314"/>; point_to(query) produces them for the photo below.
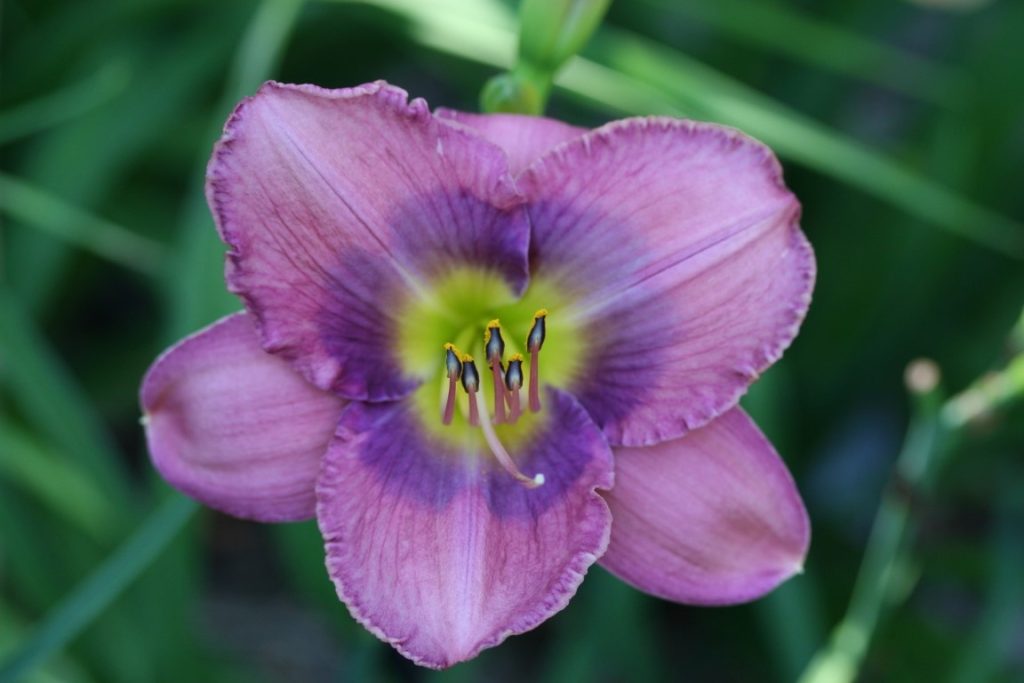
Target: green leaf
<point x="65" y="104"/>
<point x="56" y="481"/>
<point x="706" y="93"/>
<point x="86" y="160"/>
<point x="831" y="47"/>
<point x="100" y="588"/>
<point x="47" y="212"/>
<point x="52" y="401"/>
<point x="61" y="670"/>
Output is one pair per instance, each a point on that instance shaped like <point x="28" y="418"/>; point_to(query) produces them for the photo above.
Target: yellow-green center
<point x="457" y="309"/>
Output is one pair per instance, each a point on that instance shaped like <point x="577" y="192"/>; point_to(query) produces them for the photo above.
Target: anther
<point x="513" y="382"/>
<point x="493" y="341"/>
<point x="471" y="383"/>
<point x="454" y="367"/>
<point x="499" y="450"/>
<point x="494" y="346"/>
<point x="534" y="342"/>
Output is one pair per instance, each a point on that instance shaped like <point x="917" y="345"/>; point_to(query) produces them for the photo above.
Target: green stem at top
<point x="550" y="32"/>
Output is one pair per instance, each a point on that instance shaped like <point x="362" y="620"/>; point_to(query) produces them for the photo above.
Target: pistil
<point x="499" y="451"/>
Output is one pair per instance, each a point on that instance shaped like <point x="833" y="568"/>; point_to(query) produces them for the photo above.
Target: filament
<point x="499" y="392"/>
<point x="449" y="406"/>
<point x="535" y="380"/>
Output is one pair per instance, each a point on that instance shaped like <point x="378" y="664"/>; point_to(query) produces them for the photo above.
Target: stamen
<point x="534" y="342"/>
<point x="493" y="341"/>
<point x="495" y="349"/>
<point x="454" y="366"/>
<point x="471" y="383"/>
<point x="513" y="382"/>
<point x="499" y="450"/>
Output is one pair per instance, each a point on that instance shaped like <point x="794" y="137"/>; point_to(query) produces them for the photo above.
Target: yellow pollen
<point x="515" y="357"/>
<point x="541" y="313"/>
<point x="465" y="357"/>
<point x="454" y="349"/>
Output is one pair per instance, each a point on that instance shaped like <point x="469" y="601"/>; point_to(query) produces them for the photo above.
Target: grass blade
<point x="67" y="103"/>
<point x="49" y="213"/>
<point x="710" y="94"/>
<point x="55" y="481"/>
<point x="823" y="45"/>
<point x="87" y="160"/>
<point x="52" y="401"/>
<point x="97" y="591"/>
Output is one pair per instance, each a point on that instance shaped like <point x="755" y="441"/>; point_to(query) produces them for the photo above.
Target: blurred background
<point x="901" y="128"/>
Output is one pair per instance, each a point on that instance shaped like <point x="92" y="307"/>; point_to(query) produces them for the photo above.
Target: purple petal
<point x="712" y="518"/>
<point x="524" y="138"/>
<point x="681" y="245"/>
<point x="235" y="427"/>
<point x="339" y="205"/>
<point x="439" y="552"/>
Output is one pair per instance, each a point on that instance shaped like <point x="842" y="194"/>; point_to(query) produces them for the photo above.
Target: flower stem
<point x="550" y="33"/>
<point x="935" y="427"/>
<point x="96" y="592"/>
<point x="884" y="560"/>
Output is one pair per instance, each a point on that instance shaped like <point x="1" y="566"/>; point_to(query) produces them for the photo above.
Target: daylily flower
<point x="486" y="352"/>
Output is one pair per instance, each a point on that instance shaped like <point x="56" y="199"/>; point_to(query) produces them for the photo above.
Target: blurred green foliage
<point x="902" y="131"/>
